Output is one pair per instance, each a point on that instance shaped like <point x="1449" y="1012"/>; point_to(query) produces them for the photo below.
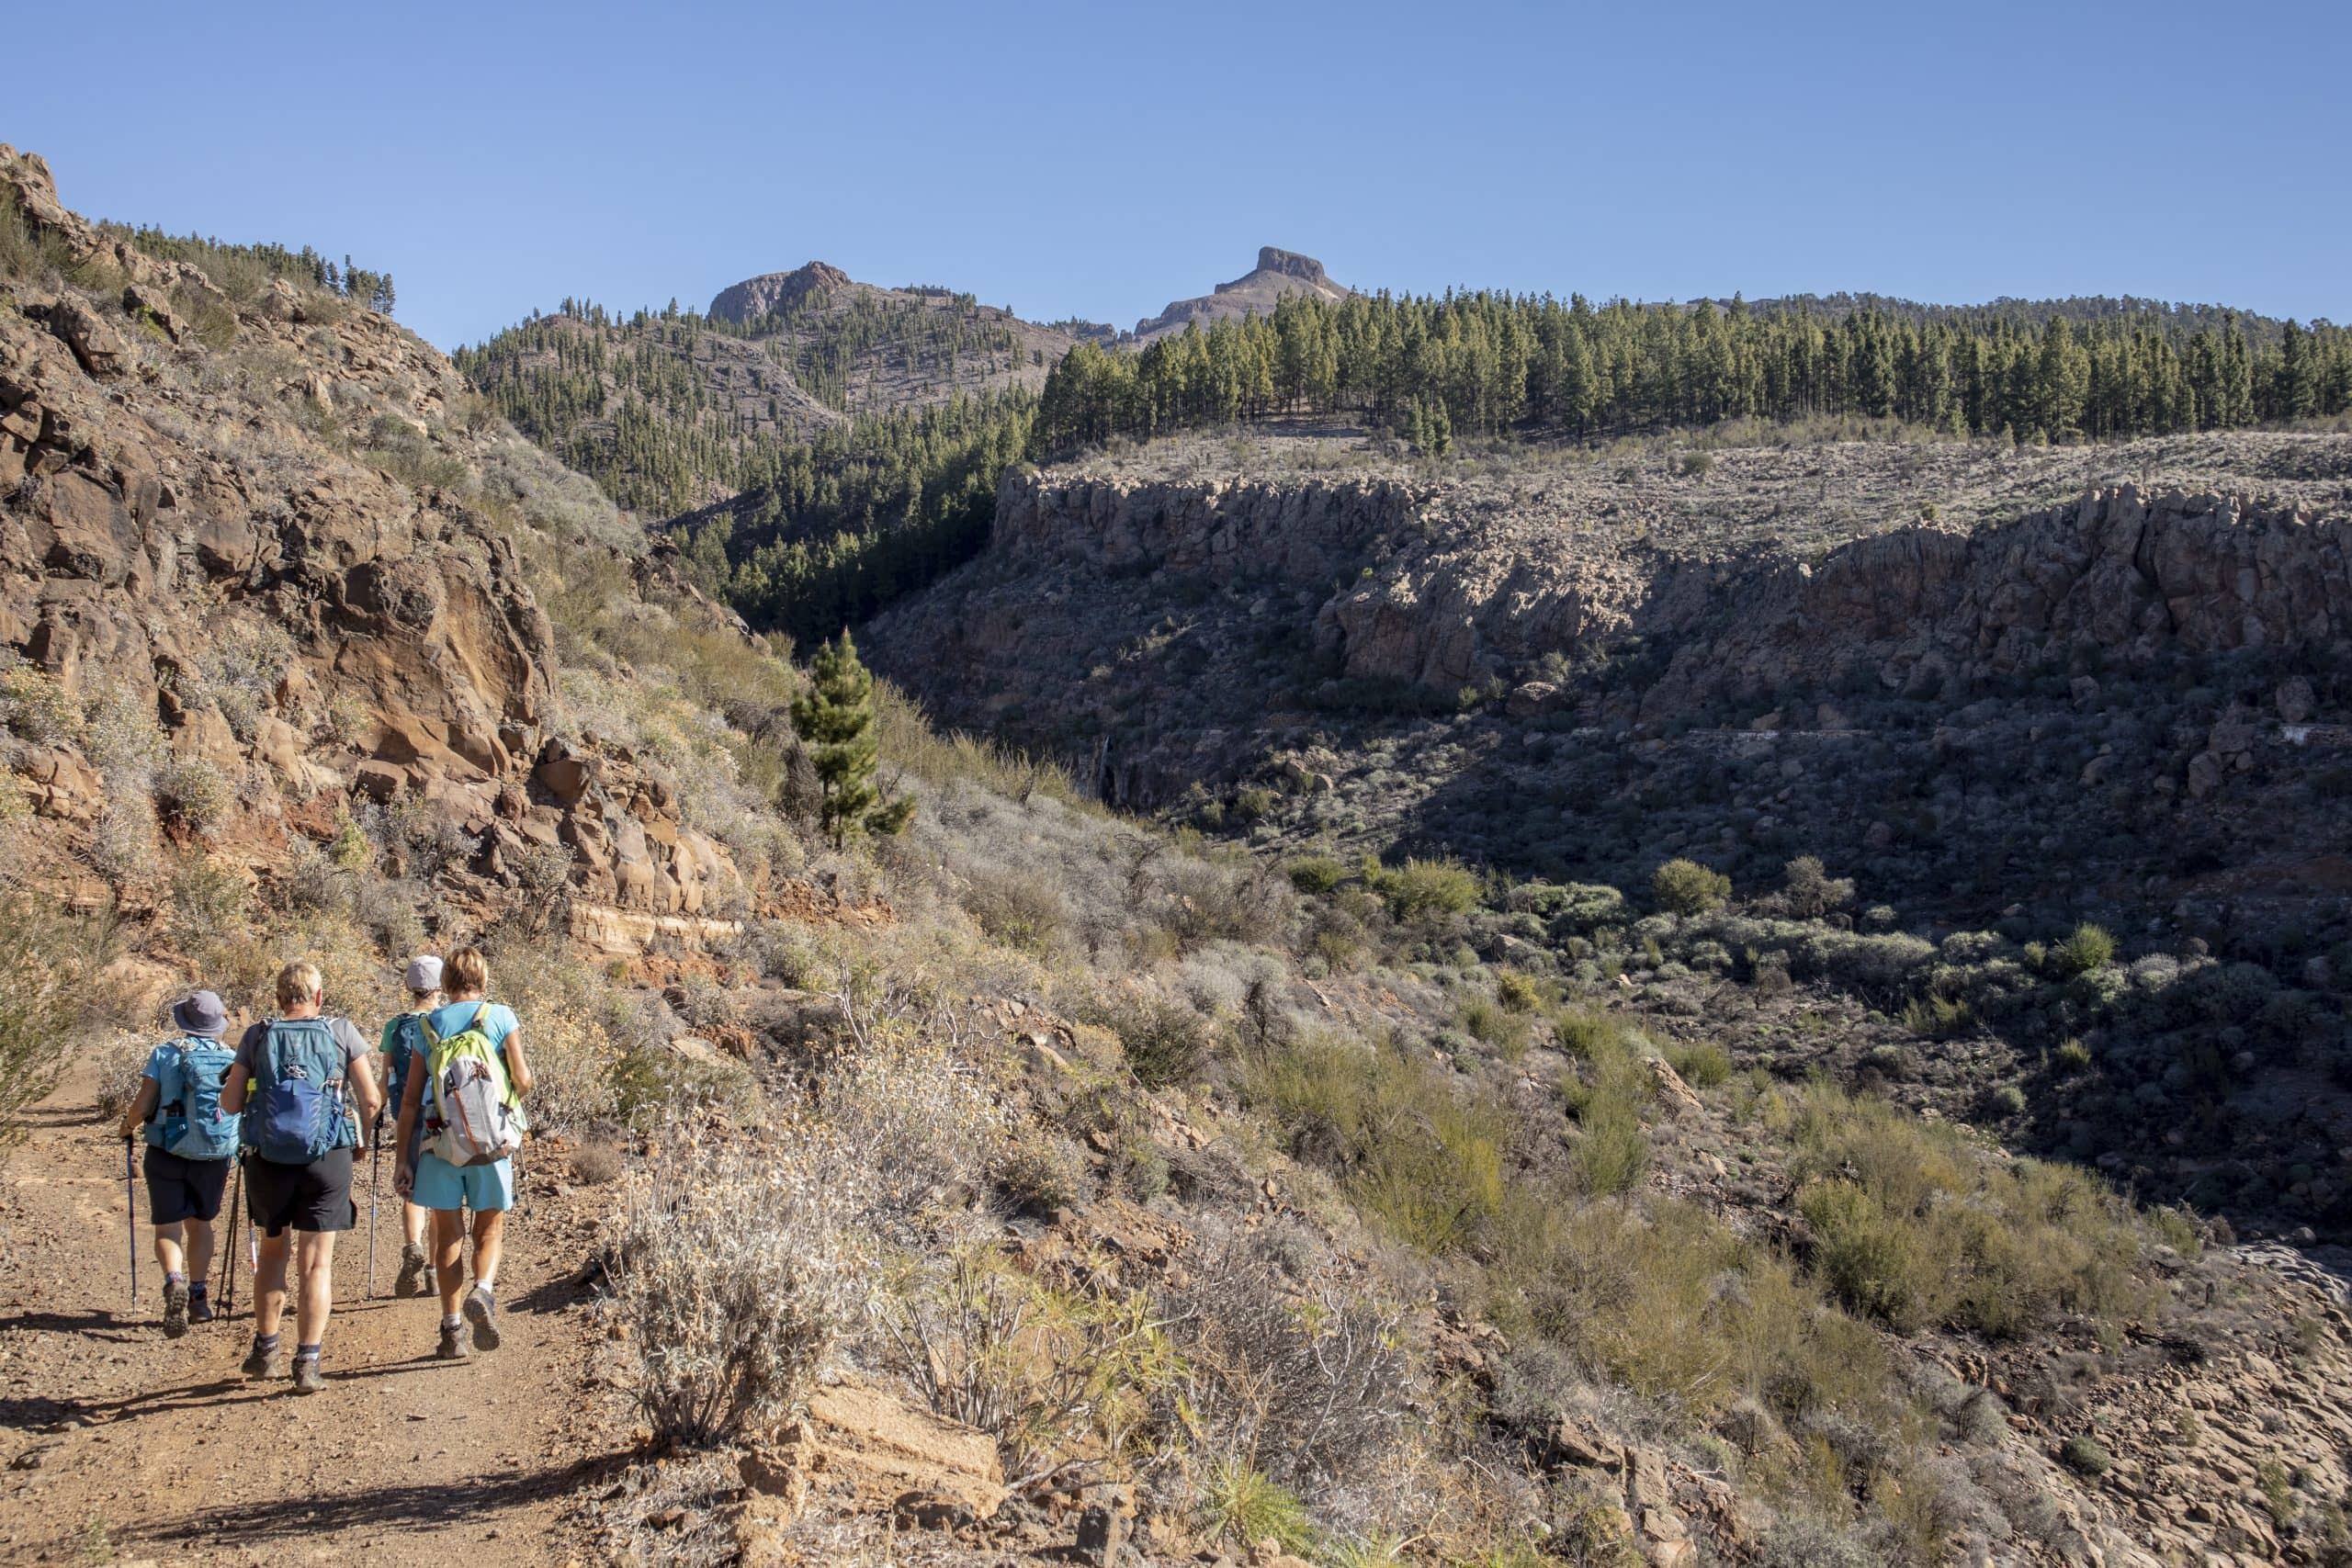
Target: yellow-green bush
<point x="1915" y="1224"/>
<point x="1423" y="888"/>
<point x="1686" y="887"/>
<point x="1427" y="1163"/>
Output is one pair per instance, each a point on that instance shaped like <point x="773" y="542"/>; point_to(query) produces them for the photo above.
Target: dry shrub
<point x="1308" y="1382"/>
<point x="598" y="1161"/>
<point x="735" y="1270"/>
<point x="912" y="1113"/>
<point x="122" y="1063"/>
<point x="1043" y="1368"/>
<point x="40" y="977"/>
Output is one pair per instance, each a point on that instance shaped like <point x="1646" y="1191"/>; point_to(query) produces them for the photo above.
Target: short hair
<point x="299" y="982"/>
<point x="466" y="970"/>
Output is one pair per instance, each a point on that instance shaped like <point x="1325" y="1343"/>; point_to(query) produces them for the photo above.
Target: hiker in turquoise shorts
<point x="431" y="1182"/>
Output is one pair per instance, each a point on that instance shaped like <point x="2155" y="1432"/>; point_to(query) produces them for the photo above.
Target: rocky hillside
<point x="275" y="577"/>
<point x="1039" y="1185"/>
<point x="2007" y="716"/>
<point x="1278" y="272"/>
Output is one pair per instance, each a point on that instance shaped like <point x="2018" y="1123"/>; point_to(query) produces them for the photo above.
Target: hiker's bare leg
<point x="199" y="1250"/>
<point x="449" y="1256"/>
<point x="269" y="1283"/>
<point x="318" y="1285"/>
<point x="167" y="1248"/>
<point x="488" y="1231"/>
<point x="413" y="1224"/>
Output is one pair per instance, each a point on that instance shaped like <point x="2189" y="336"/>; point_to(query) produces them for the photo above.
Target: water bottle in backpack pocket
<point x="299" y="1115"/>
<point x="190" y="1122"/>
<point x="475" y="1118"/>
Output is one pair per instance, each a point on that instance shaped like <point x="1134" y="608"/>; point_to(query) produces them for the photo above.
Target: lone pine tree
<point x="835" y="717"/>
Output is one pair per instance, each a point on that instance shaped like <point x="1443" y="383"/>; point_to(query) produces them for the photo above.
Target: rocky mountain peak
<point x="1278" y="272"/>
<point x="756" y="297"/>
<point x="1289" y="263"/>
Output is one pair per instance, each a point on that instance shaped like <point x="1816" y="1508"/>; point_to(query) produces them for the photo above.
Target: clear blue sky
<point x="1100" y="161"/>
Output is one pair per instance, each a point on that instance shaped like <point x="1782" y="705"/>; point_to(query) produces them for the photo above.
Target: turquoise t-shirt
<point x="498" y="1022"/>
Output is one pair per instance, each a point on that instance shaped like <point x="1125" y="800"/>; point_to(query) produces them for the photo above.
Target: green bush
<point x="1686" y="887"/>
<point x="1914" y="1224"/>
<point x="2086" y="1456"/>
<point x="1938" y="1017"/>
<point x="1315" y="874"/>
<point x="1496" y="1025"/>
<point x="2072" y="1057"/>
<point x="1422" y="887"/>
<point x="2087" y="949"/>
<point x="1239" y="1504"/>
<point x="1702" y="1064"/>
<point x="1427" y="1163"/>
<point x="1613" y="1149"/>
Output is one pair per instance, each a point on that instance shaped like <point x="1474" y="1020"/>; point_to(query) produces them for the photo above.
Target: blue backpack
<point x="188" y="1120"/>
<point x="299" y="1115"/>
<point x="408" y="1049"/>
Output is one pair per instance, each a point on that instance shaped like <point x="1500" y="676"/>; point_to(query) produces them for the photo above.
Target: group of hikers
<point x="290" y="1107"/>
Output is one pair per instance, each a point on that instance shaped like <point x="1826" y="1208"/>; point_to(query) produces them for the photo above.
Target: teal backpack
<point x="188" y="1120"/>
<point x="298" y="1114"/>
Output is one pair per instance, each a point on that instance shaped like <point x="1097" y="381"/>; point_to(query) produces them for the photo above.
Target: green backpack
<point x="475" y="1118"/>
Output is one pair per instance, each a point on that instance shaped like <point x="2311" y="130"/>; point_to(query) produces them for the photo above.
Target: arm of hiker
<point x="412" y="1107"/>
<point x="142" y="1106"/>
<point x="364" y="1092"/>
<point x="518" y="1066"/>
<point x="233" y="1093"/>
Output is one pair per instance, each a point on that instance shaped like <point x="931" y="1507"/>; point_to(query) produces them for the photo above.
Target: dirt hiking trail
<point x="121" y="1446"/>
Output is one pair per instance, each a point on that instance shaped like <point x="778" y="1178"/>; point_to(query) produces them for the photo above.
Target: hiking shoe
<point x="308" y="1379"/>
<point x="453" y="1344"/>
<point x="416" y="1275"/>
<point x="483" y="1312"/>
<point x="262" y="1364"/>
<point x="199" y="1309"/>
<point x="175" y="1308"/>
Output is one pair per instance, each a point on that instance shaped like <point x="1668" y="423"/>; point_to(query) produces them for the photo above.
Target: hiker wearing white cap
<point x="191" y="1140"/>
<point x="403" y="1047"/>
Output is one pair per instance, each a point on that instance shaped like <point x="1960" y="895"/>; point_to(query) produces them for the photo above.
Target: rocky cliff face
<point x="2130" y="577"/>
<point x="186" y="540"/>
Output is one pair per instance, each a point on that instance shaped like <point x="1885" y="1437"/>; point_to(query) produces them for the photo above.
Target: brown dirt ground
<point x="122" y="1446"/>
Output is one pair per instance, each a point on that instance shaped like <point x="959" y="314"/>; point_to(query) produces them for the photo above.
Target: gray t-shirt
<point x="249" y="1047"/>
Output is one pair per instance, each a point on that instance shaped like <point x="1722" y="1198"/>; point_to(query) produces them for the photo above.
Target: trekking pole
<point x="131" y="1216"/>
<point x="229" y="1253"/>
<point x="375" y="1173"/>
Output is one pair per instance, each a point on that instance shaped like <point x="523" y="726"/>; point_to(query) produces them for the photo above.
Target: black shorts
<point x="183" y="1189"/>
<point x="314" y="1197"/>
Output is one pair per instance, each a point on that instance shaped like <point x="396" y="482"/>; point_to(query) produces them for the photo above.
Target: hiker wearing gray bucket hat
<point x="191" y="1140"/>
